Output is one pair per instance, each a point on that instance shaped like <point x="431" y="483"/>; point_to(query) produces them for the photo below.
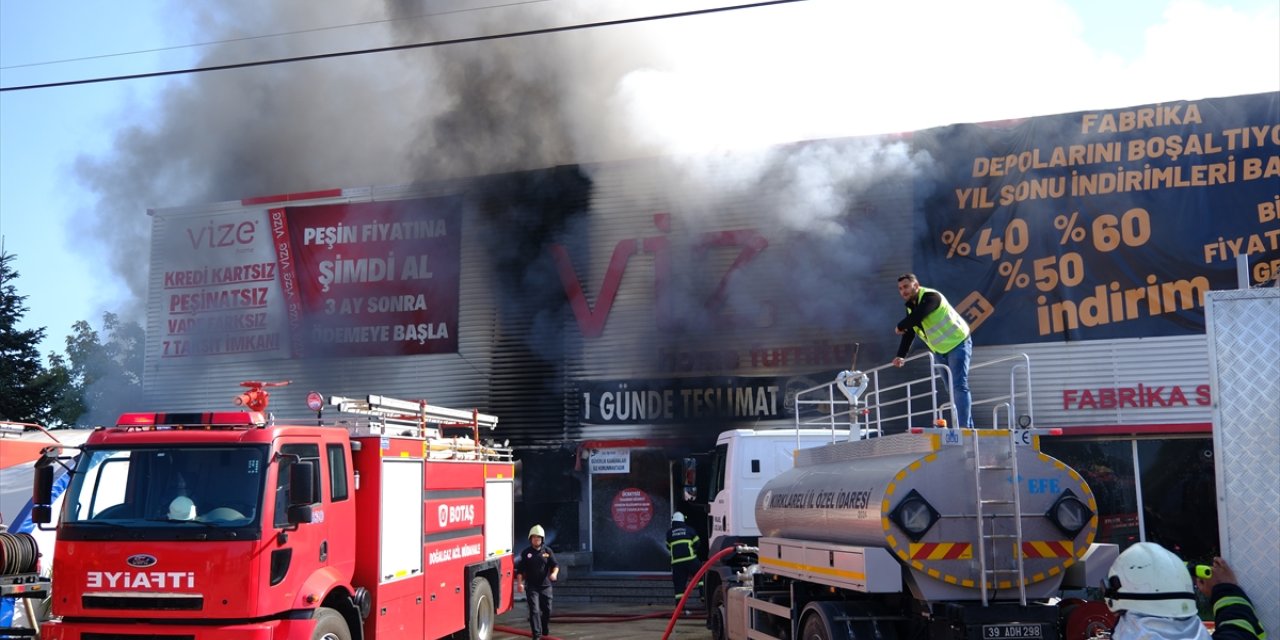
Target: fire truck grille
<point x="150" y="603"/>
<point x="135" y="636"/>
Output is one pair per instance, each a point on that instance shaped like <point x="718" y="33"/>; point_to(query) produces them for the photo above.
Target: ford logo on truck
<point x="141" y="560"/>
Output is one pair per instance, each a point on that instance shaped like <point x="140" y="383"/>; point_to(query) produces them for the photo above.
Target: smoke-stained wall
<point x="573" y="281"/>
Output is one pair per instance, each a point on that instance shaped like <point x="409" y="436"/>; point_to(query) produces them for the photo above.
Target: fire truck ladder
<point x="422" y="420"/>
<point x="998" y="492"/>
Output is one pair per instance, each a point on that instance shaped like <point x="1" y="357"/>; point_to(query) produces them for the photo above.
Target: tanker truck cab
<point x="743" y="461"/>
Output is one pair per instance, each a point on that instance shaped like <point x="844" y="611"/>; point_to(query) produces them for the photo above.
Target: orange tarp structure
<point x="20" y="450"/>
<point x="16" y="452"/>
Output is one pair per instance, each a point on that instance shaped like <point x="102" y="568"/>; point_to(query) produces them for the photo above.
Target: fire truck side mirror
<point x="42" y="495"/>
<point x="302" y="491"/>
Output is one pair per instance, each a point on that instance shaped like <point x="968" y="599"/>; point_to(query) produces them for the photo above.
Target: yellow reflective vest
<point x="682" y="543"/>
<point x="944" y="328"/>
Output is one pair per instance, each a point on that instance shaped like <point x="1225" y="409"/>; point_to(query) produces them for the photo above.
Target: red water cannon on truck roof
<point x="228" y="525"/>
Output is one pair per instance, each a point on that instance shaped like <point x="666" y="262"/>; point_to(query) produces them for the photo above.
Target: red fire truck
<point x="226" y="525"/>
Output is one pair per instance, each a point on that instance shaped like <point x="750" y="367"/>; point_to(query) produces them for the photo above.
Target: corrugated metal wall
<point x="1159" y="364"/>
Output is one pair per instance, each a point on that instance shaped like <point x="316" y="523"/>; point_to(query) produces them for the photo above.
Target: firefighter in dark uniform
<point x="682" y="544"/>
<point x="536" y="569"/>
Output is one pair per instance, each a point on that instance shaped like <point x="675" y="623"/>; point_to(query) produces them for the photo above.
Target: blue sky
<point x="947" y="62"/>
<point x="43" y="132"/>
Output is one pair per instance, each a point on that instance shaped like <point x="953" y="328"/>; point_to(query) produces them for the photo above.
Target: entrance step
<point x="644" y="589"/>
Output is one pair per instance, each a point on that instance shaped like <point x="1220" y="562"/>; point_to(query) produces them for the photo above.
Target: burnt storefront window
<point x="1107" y="465"/>
<point x="1178" y="497"/>
<point x="1176" y="476"/>
<point x="630" y="515"/>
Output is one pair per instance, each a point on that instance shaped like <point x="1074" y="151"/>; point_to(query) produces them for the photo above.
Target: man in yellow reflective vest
<point x="944" y="331"/>
<point x="682" y="544"/>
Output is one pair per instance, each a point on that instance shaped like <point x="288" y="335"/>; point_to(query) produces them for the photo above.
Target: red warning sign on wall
<point x="632" y="509"/>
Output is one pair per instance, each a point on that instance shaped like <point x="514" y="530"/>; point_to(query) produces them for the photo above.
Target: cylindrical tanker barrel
<point x="918" y="495"/>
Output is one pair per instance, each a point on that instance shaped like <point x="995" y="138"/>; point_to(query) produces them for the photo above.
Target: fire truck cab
<point x="226" y="525"/>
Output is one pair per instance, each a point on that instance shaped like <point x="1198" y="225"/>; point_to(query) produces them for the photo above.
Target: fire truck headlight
<point x="1069" y="514"/>
<point x="914" y="515"/>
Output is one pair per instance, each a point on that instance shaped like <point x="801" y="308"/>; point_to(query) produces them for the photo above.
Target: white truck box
<point x="1243" y="328"/>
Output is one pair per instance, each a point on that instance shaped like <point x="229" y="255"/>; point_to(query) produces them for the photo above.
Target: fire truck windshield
<point x="166" y="492"/>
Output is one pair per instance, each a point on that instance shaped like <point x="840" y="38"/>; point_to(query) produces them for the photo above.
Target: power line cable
<point x="404" y="47"/>
<point x="270" y="35"/>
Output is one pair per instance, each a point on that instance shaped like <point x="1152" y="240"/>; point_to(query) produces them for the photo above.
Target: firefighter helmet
<point x="677" y="517"/>
<point x="182" y="508"/>
<point x="537" y="531"/>
<point x="1150" y="580"/>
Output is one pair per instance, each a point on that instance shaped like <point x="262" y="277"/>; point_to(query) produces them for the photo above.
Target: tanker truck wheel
<point x="330" y="625"/>
<point x="480" y="616"/>
<point x="829" y="621"/>
<point x="716" y="616"/>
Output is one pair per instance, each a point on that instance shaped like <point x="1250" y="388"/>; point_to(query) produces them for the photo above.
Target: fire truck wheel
<point x="716" y="614"/>
<point x="480" y="618"/>
<point x="330" y="625"/>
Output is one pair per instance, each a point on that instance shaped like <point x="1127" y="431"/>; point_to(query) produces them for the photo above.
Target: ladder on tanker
<point x="997" y="492"/>
<point x="996" y="487"/>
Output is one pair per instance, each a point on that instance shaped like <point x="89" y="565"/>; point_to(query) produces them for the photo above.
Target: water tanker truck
<point x="931" y="532"/>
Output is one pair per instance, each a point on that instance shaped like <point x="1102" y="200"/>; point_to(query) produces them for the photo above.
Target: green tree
<point x="99" y="380"/>
<point x="26" y="389"/>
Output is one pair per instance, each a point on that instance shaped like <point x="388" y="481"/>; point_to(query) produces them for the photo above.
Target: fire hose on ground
<point x="697" y="577"/>
<point x="583" y="618"/>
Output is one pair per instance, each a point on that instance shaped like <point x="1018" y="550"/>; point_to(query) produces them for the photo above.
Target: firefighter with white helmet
<point x="682" y="544"/>
<point x="1152" y="591"/>
<point x="182" y="508"/>
<point x="536" y="569"/>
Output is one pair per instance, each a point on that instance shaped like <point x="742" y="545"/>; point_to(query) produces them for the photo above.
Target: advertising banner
<point x="348" y="279"/>
<point x="1100" y="224"/>
<point x="220" y="289"/>
<point x="374" y="278"/>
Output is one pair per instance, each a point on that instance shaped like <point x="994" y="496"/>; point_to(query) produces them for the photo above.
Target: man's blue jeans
<point x="957" y="360"/>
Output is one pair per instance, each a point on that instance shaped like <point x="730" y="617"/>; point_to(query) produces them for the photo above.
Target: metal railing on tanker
<point x="383" y="416"/>
<point x="865" y="405"/>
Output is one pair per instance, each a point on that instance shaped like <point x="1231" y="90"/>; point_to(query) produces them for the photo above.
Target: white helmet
<point x="182" y="508"/>
<point x="537" y="531"/>
<point x="677" y="517"/>
<point x="1150" y="580"/>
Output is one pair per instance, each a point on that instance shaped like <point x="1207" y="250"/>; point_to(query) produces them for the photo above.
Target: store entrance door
<point x="631" y="512"/>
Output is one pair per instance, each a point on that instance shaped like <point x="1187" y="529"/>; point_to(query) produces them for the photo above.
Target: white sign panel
<point x="611" y="461"/>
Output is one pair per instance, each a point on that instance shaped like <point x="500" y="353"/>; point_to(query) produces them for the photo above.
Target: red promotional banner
<point x="373" y="278"/>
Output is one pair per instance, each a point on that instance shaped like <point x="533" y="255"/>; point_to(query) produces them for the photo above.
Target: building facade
<point x="618" y="316"/>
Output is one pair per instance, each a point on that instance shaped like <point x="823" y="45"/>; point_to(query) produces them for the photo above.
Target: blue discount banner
<point x="1100" y="224"/>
